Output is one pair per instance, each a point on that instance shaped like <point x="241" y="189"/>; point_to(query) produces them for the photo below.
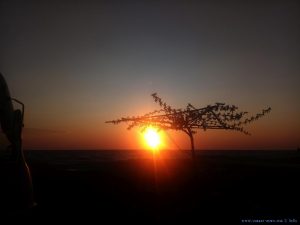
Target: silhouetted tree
<point x="217" y="116"/>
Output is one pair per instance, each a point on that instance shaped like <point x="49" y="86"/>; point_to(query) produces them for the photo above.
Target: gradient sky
<point x="76" y="64"/>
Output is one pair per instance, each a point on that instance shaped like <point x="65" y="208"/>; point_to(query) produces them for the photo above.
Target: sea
<point x="240" y="156"/>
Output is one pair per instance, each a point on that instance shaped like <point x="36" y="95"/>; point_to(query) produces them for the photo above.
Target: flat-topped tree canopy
<point x="217" y="116"/>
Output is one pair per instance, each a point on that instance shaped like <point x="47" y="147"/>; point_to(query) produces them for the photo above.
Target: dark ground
<point x="218" y="189"/>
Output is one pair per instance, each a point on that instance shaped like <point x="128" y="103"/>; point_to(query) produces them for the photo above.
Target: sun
<point x="152" y="138"/>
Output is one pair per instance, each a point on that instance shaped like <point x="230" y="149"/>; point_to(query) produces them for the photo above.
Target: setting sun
<point x="152" y="137"/>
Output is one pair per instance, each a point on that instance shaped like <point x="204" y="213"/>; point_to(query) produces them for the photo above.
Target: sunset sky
<point x="77" y="64"/>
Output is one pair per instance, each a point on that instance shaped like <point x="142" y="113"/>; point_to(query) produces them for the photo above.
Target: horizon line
<point x="183" y="150"/>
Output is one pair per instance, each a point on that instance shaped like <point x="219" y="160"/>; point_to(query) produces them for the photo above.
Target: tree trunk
<point x="192" y="144"/>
